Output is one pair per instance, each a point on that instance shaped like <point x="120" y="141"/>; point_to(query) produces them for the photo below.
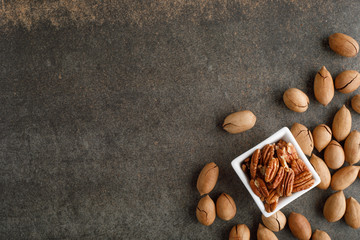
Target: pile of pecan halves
<point x="276" y="171"/>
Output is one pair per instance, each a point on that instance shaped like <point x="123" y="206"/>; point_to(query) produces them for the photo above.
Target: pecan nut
<point x="267" y="153"/>
<point x="273" y="197"/>
<point x="298" y="166"/>
<point x="254" y="163"/>
<point x="286" y="151"/>
<point x="285" y="188"/>
<point x="304" y="186"/>
<point x="278" y="178"/>
<point x="254" y="188"/>
<point x="303" y="181"/>
<point x="245" y="166"/>
<point x="270" y="207"/>
<point x="259" y="187"/>
<point x="271" y="169"/>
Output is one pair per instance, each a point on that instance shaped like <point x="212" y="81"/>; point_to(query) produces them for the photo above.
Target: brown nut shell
<point x="352" y="148"/>
<point x="320" y="235"/>
<point x="225" y="207"/>
<point x="304" y="138"/>
<point x="343" y="45"/>
<point x="341" y="125"/>
<point x="322" y="136"/>
<point x="275" y="222"/>
<point x="334" y="155"/>
<point x="347" y="81"/>
<point x="238" y="122"/>
<point x="205" y="211"/>
<point x="344" y="177"/>
<point x="239" y="232"/>
<point x="334" y="208"/>
<point x="355" y="103"/>
<point x="352" y="213"/>
<point x="207" y="178"/>
<point x="324" y="86"/>
<point x="265" y="234"/>
<point x="322" y="170"/>
<point x="299" y="226"/>
<point x="296" y="100"/>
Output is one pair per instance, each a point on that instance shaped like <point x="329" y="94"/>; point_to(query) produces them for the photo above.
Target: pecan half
<point x="291" y="151"/>
<point x="270" y="207"/>
<point x="254" y="188"/>
<point x="303" y="181"/>
<point x="298" y="166"/>
<point x="285" y="188"/>
<point x="254" y="163"/>
<point x="286" y="151"/>
<point x="260" y="187"/>
<point x="271" y="169"/>
<point x="245" y="166"/>
<point x="274" y="205"/>
<point x="304" y="186"/>
<point x="273" y="197"/>
<point x="267" y="207"/>
<point x="267" y="153"/>
<point x="289" y="183"/>
<point x="278" y="178"/>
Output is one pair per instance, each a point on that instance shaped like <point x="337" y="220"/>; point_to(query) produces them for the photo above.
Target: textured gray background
<point x="109" y="111"/>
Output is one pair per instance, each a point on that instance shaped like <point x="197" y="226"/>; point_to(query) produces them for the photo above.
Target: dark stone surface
<point x="104" y="127"/>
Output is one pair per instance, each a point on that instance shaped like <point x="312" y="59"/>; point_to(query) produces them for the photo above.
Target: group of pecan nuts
<point x="276" y="171"/>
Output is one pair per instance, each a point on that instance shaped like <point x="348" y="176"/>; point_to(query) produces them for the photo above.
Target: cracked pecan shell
<point x="271" y="169"/>
<point x="254" y="163"/>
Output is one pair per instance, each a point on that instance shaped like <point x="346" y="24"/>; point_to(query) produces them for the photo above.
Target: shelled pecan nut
<point x="298" y="166"/>
<point x="286" y="186"/>
<point x="267" y="207"/>
<point x="271" y="169"/>
<point x="254" y="163"/>
<point x="304" y="186"/>
<point x="254" y="188"/>
<point x="274" y="205"/>
<point x="273" y="197"/>
<point x="270" y="207"/>
<point x="267" y="153"/>
<point x="302" y="178"/>
<point x="278" y="178"/>
<point x="260" y="186"/>
<point x="245" y="166"/>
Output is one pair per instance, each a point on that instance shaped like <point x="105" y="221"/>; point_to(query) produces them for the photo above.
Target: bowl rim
<point x="280" y="134"/>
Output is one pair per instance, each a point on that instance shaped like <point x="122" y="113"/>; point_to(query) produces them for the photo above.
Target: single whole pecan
<point x="271" y="169"/>
<point x="254" y="163"/>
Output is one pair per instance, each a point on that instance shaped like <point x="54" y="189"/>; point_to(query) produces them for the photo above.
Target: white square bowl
<point x="287" y="136"/>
